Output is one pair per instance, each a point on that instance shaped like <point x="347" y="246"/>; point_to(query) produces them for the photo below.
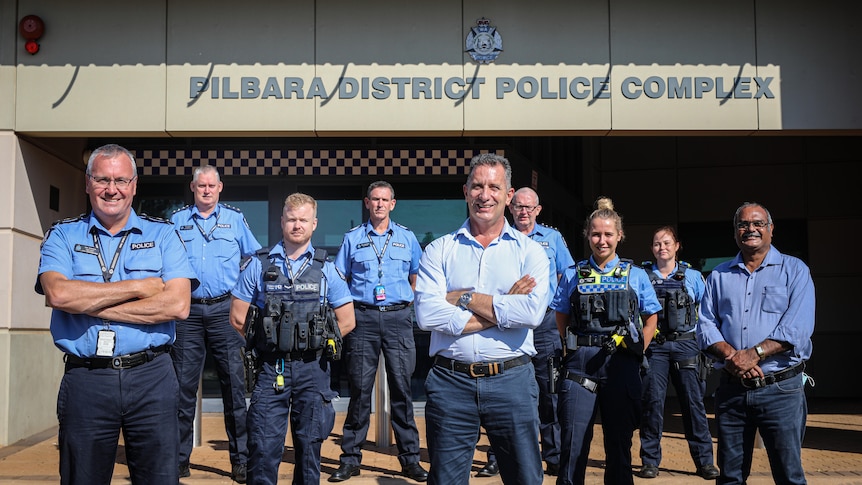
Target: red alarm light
<point x="31" y="28"/>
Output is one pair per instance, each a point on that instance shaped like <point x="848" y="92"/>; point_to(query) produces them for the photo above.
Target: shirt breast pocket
<point x="401" y="255"/>
<point x="143" y="263"/>
<point x="775" y="299"/>
<point x="227" y="247"/>
<point x="86" y="267"/>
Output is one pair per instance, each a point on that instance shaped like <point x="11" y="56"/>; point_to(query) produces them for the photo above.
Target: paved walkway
<point x="832" y="454"/>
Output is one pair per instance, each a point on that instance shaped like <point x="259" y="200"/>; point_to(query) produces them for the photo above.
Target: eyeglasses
<point x="105" y="182"/>
<point x="528" y="208"/>
<point x="756" y="224"/>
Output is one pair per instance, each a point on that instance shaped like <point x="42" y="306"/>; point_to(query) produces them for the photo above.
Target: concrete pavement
<point x="832" y="454"/>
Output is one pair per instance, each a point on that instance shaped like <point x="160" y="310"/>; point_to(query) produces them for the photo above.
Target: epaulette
<point x="235" y="209"/>
<point x="683" y="264"/>
<point x="647" y="265"/>
<point x="180" y="209"/>
<point x="150" y="218"/>
<point x="69" y="219"/>
<point x="402" y="226"/>
<point x="355" y="228"/>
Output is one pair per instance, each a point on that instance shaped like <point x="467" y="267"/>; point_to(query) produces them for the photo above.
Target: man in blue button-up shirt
<point x="380" y="259"/>
<point x="117" y="282"/>
<point x="756" y="318"/>
<point x="481" y="323"/>
<point x="216" y="236"/>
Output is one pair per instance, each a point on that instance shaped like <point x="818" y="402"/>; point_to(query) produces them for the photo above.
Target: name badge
<point x="106" y="343"/>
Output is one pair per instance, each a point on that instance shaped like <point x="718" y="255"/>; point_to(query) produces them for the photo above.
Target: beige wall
<point x="30" y="366"/>
<point x="136" y="81"/>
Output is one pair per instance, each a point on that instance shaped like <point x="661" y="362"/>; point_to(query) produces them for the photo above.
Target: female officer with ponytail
<point x="600" y="303"/>
<point x="674" y="352"/>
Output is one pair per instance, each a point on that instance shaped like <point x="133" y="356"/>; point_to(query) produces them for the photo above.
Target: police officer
<point x="117" y="282"/>
<point x="216" y="236"/>
<point x="674" y="352"/>
<point x="293" y="286"/>
<point x="599" y="302"/>
<point x="525" y="208"/>
<point x="380" y="259"/>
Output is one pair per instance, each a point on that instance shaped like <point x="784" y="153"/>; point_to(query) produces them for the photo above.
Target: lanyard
<point x="379" y="253"/>
<point x="201" y="229"/>
<point x="299" y="272"/>
<point x="107" y="272"/>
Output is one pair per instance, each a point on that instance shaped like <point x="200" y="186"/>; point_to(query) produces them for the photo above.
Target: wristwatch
<point x="465" y="299"/>
<point x="760" y="353"/>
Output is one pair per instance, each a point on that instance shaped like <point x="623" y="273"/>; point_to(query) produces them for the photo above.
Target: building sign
<point x="526" y="87"/>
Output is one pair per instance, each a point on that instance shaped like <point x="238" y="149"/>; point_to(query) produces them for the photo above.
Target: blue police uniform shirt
<point x="694" y="284"/>
<point x="555" y="246"/>
<point x="359" y="261"/>
<point x="774" y="302"/>
<point x="638" y="280"/>
<point x="152" y="249"/>
<point x="249" y="286"/>
<point x="215" y="246"/>
<point x="458" y="261"/>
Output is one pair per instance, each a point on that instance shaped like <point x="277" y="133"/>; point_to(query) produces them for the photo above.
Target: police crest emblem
<point x="484" y="42"/>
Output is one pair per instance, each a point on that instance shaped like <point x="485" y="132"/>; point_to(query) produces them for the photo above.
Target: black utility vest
<point x="677" y="313"/>
<point x="602" y="301"/>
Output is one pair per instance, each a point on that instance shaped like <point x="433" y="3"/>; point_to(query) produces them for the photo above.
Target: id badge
<point x="106" y="343"/>
<point x="379" y="293"/>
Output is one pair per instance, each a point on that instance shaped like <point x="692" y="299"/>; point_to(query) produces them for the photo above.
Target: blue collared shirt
<point x="648" y="303"/>
<point x="458" y="261"/>
<point x="555" y="246"/>
<point x="693" y="281"/>
<point x="152" y="249"/>
<point x="367" y="259"/>
<point x="215" y="246"/>
<point x="774" y="302"/>
<point x="249" y="286"/>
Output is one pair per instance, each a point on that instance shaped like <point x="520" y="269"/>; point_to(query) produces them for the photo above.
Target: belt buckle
<point x="485" y="369"/>
<point x="753" y="383"/>
<point x="117" y="363"/>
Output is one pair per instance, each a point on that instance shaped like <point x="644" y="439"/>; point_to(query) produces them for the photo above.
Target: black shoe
<point x="708" y="472"/>
<point x="414" y="471"/>
<point x="184" y="471"/>
<point x="648" y="471"/>
<point x="490" y="470"/>
<point x="344" y="472"/>
<point x="238" y="473"/>
<point x="553" y="469"/>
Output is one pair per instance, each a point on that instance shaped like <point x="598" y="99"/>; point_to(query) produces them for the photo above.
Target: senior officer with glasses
<point x="216" y="236"/>
<point x="117" y="281"/>
<point x="756" y="318"/>
<point x="525" y="208"/>
<point x="380" y="259"/>
<point x="481" y="334"/>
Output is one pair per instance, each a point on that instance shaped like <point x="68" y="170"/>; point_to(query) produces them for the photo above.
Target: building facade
<point x="679" y="111"/>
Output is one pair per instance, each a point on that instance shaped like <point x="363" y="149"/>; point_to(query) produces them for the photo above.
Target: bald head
<point x="524" y="209"/>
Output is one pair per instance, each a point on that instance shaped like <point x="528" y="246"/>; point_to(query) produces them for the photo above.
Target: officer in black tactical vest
<point x="674" y="353"/>
<point x="286" y="295"/>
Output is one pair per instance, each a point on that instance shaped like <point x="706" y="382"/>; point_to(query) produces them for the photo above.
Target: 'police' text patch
<point x="143" y="245"/>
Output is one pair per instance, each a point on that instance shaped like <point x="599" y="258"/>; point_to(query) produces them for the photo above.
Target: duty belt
<point x="758" y="382"/>
<point x="122" y="362"/>
<point x="210" y="301"/>
<point x="585" y="382"/>
<point x="381" y="308"/>
<point x="674" y="336"/>
<point x="480" y="369"/>
<point x="589" y="341"/>
<point x="296" y="355"/>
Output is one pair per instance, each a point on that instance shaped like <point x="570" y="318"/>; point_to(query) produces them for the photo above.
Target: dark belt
<point x="122" y="362"/>
<point x="758" y="382"/>
<point x="592" y="340"/>
<point x="381" y="308"/>
<point x="680" y="336"/>
<point x="296" y="355"/>
<point x="585" y="382"/>
<point x="210" y="301"/>
<point x="480" y="369"/>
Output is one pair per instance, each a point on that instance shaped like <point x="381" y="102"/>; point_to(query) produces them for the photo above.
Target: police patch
<point x="591" y="279"/>
<point x="186" y="228"/>
<point x="363" y="245"/>
<point x="544" y="244"/>
<point x="399" y="245"/>
<point x="143" y="245"/>
<point x="223" y="226"/>
<point x="80" y="248"/>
